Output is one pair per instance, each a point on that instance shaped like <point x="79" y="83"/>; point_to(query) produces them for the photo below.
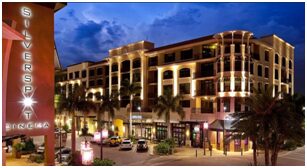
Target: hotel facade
<point x="213" y="74"/>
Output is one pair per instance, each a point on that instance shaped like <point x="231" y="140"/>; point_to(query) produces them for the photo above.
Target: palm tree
<point x="85" y="106"/>
<point x="287" y="123"/>
<point x="243" y="125"/>
<point x="70" y="103"/>
<point x="130" y="90"/>
<point x="109" y="103"/>
<point x="258" y="120"/>
<point x="166" y="104"/>
<point x="262" y="102"/>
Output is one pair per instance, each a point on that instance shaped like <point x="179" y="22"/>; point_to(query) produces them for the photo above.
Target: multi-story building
<point x="213" y="74"/>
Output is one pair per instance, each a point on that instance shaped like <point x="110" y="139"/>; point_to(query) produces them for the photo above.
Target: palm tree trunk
<point x="274" y="155"/>
<point x="169" y="129"/>
<point x="84" y="120"/>
<point x="109" y="121"/>
<point x="254" y="152"/>
<point x="73" y="133"/>
<point x="266" y="152"/>
<point x="98" y="122"/>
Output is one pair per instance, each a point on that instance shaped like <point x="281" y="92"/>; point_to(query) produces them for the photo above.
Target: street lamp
<point x="206" y="126"/>
<point x="86" y="153"/>
<point x="103" y="134"/>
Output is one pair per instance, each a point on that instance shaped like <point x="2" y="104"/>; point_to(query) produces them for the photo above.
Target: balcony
<point x="202" y="110"/>
<point x="203" y="74"/>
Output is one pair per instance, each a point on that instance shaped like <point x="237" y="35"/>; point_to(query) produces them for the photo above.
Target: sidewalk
<point x="191" y="152"/>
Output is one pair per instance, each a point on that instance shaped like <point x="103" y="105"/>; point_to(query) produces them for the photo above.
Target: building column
<point x="175" y="80"/>
<point x="222" y="69"/>
<point x="110" y="76"/>
<point x="131" y="71"/>
<point x="243" y="79"/>
<point x="119" y="75"/>
<point x="159" y="81"/>
<point x="232" y="67"/>
<point x="142" y="73"/>
<point x="49" y="148"/>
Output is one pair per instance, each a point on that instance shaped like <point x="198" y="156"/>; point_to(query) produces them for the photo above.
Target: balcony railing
<point x="202" y="110"/>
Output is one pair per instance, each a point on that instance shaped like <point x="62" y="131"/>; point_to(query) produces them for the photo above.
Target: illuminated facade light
<point x="28" y="102"/>
<point x="206" y="125"/>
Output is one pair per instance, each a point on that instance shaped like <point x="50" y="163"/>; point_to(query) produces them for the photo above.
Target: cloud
<point x="89" y="33"/>
<point x="88" y="40"/>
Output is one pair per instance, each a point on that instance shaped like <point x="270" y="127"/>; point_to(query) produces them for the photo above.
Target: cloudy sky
<point x="86" y="31"/>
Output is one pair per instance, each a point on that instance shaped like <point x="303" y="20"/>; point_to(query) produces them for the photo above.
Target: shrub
<point x="19" y="147"/>
<point x="290" y="145"/>
<point x="163" y="148"/>
<point x="103" y="162"/>
<point x="37" y="158"/>
<point x="171" y="142"/>
<point x="29" y="145"/>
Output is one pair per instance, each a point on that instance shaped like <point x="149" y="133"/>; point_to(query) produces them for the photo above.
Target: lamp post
<point x="86" y="153"/>
<point x="103" y="134"/>
<point x="206" y="126"/>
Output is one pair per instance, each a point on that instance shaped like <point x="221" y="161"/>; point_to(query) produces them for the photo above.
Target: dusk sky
<point x="86" y="31"/>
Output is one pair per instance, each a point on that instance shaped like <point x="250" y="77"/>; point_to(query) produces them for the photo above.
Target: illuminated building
<point x="213" y="73"/>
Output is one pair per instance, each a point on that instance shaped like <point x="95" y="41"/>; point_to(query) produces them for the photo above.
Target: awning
<point x="220" y="125"/>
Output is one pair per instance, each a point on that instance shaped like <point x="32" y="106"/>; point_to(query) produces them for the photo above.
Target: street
<point x="186" y="156"/>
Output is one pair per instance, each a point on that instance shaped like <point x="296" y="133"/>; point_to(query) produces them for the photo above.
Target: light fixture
<point x="206" y="125"/>
<point x="28" y="101"/>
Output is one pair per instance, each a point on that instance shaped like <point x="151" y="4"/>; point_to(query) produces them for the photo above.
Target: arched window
<point x="114" y="67"/>
<point x="276" y="59"/>
<point x="184" y="72"/>
<point x="283" y="61"/>
<point x="137" y="63"/>
<point x="125" y="66"/>
<point x="90" y="95"/>
<point x="168" y="74"/>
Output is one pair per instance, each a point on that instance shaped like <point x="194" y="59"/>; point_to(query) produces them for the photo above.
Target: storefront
<point x="178" y="133"/>
<point x="28" y="73"/>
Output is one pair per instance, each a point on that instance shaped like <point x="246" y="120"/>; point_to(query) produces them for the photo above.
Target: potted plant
<point x="18" y="148"/>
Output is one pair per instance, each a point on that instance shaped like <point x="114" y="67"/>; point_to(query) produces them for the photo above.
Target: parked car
<point x="142" y="145"/>
<point x="115" y="141"/>
<point x="65" y="154"/>
<point x="126" y="144"/>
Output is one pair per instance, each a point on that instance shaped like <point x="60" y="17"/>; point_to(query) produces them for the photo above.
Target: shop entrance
<point x="196" y="135"/>
<point x="161" y="131"/>
<point x="178" y="131"/>
<point x="147" y="133"/>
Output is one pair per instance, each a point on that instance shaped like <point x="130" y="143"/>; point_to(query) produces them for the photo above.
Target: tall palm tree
<point x="243" y="125"/>
<point x="261" y="104"/>
<point x="108" y="103"/>
<point x="70" y="103"/>
<point x="166" y="104"/>
<point x="287" y="123"/>
<point x="130" y="90"/>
